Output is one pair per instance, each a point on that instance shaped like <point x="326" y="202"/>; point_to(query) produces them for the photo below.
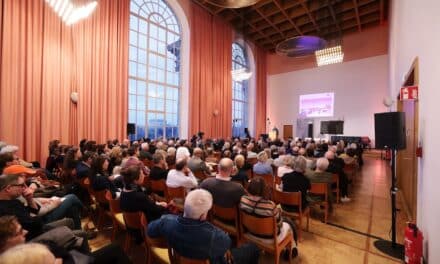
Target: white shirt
<point x="177" y="179"/>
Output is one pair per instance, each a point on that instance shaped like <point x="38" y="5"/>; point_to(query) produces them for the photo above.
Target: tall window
<point x="239" y="93"/>
<point x="154" y="69"/>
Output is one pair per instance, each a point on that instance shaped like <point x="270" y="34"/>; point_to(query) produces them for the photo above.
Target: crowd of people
<point x="44" y="205"/>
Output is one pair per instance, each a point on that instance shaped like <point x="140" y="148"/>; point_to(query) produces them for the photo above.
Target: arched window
<point x="154" y="69"/>
<point x="239" y="93"/>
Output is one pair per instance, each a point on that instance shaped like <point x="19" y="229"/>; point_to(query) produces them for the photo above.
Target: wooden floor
<point x="368" y="213"/>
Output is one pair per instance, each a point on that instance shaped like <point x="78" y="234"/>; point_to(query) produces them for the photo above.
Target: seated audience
<point x="159" y="171"/>
<point x="262" y="166"/>
<point x="336" y="166"/>
<point x="83" y="168"/>
<point x="12" y="186"/>
<point x="296" y="181"/>
<point x="254" y="203"/>
<point x="240" y="175"/>
<point x="13" y="234"/>
<point x="195" y="163"/>
<point x="134" y="160"/>
<point x="225" y="192"/>
<point x="99" y="176"/>
<point x="145" y="153"/>
<point x="286" y="167"/>
<point x="181" y="176"/>
<point x="191" y="236"/>
<point x="320" y="175"/>
<point x="133" y="199"/>
<point x="171" y="157"/>
<point x="14" y="150"/>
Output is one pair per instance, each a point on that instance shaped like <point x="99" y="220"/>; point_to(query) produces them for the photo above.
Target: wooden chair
<point x="135" y="221"/>
<point x="252" y="161"/>
<point x="321" y="189"/>
<point x="221" y="216"/>
<point x="159" y="186"/>
<point x="269" y="179"/>
<point x="274" y="170"/>
<point x="177" y="259"/>
<point x="116" y="215"/>
<point x="350" y="171"/>
<point x="292" y="199"/>
<point x="252" y="226"/>
<point x="177" y="195"/>
<point x="199" y="174"/>
<point x="100" y="201"/>
<point x="156" y="249"/>
<point x="335" y="189"/>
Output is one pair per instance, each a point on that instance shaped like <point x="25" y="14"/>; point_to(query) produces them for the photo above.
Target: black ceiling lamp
<point x="233" y="3"/>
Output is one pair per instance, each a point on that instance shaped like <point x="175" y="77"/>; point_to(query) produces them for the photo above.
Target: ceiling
<point x="269" y="22"/>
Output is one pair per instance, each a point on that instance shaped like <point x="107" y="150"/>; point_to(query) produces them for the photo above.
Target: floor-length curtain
<point x="261" y="92"/>
<point x="43" y="61"/>
<point x="210" y="100"/>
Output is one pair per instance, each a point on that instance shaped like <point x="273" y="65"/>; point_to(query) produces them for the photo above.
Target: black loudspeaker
<point x="131" y="129"/>
<point x="310" y="130"/>
<point x="390" y="130"/>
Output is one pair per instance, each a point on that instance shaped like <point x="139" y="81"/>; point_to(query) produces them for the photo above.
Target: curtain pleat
<point x="210" y="100"/>
<point x="43" y="61"/>
<point x="261" y="91"/>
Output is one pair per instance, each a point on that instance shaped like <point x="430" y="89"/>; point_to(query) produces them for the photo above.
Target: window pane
<point x="153" y="25"/>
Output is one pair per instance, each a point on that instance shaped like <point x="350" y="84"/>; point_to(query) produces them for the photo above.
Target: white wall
<point x="359" y="88"/>
<point x="415" y="33"/>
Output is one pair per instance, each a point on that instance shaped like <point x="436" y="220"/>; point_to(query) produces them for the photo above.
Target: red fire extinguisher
<point x="413" y="244"/>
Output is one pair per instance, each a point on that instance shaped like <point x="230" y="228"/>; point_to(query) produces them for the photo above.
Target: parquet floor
<point x="369" y="213"/>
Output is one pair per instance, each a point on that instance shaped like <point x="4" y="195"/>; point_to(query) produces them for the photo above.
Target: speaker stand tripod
<point x="391" y="248"/>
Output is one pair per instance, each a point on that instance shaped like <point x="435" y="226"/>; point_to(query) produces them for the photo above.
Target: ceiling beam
<point x="332" y="12"/>
<point x="305" y="7"/>
<point x="358" y="19"/>
<point x="251" y="25"/>
<point x="270" y="22"/>
<point x="278" y="4"/>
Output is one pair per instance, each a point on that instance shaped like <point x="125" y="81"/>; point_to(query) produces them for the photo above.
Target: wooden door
<point x="407" y="160"/>
<point x="287" y="131"/>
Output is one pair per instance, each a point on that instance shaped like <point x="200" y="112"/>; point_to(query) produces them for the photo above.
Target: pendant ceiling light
<point x="71" y="13"/>
<point x="233" y="3"/>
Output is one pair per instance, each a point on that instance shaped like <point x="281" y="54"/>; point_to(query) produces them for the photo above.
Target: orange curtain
<point x="210" y="100"/>
<point x="43" y="61"/>
<point x="261" y="91"/>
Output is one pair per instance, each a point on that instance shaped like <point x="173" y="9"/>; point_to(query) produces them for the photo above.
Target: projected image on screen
<point x="316" y="105"/>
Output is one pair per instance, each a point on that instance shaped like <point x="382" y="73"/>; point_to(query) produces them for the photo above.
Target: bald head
<point x="225" y="167"/>
<point x="329" y="155"/>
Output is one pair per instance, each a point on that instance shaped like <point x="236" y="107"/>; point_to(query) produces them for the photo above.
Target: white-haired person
<point x="320" y="175"/>
<point x="191" y="236"/>
<point x="286" y="166"/>
<point x="262" y="166"/>
<point x="296" y="181"/>
<point x="14" y="150"/>
<point x="182" y="153"/>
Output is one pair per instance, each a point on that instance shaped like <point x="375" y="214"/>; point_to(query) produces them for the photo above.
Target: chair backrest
<point x="199" y="174"/>
<point x="287" y="198"/>
<point x="274" y="170"/>
<point x="158" y="185"/>
<point x="278" y="180"/>
<point x="268" y="178"/>
<point x="224" y="213"/>
<point x="252" y="161"/>
<point x="100" y="196"/>
<point x="249" y="173"/>
<point x="178" y="192"/>
<point x="260" y="226"/>
<point x="114" y="204"/>
<point x="335" y="179"/>
<point x="135" y="220"/>
<point x="217" y="155"/>
<point x="319" y="188"/>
